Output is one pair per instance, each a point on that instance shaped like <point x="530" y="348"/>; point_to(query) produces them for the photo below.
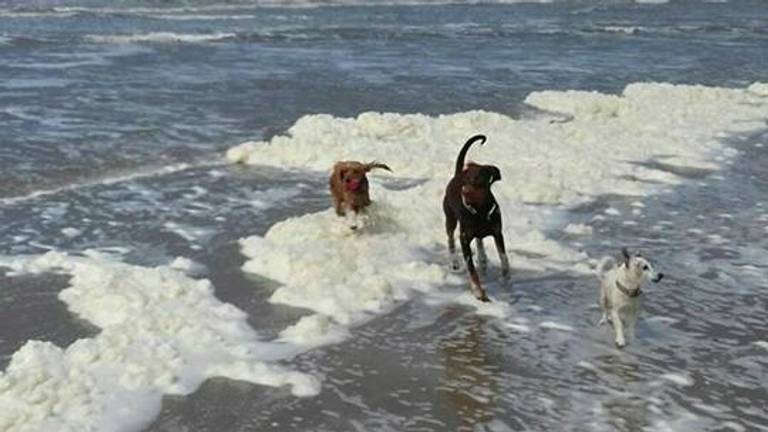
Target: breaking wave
<point x="160" y="37"/>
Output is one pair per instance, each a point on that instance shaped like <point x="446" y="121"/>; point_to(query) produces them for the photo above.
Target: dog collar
<point x="627" y="292"/>
<point x="474" y="211"/>
<point x="491" y="211"/>
<point x="467" y="206"/>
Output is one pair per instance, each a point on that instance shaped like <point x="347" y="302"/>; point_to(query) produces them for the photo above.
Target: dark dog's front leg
<point x="474" y="279"/>
<point x="482" y="258"/>
<point x="499" y="240"/>
<point x="450" y="229"/>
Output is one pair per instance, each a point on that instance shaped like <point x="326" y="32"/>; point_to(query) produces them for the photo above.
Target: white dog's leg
<point x="632" y="320"/>
<point x="603" y="319"/>
<point x="603" y="303"/>
<point x="618" y="327"/>
<point x="482" y="258"/>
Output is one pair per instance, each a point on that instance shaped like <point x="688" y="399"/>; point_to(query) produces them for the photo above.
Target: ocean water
<point x="166" y="235"/>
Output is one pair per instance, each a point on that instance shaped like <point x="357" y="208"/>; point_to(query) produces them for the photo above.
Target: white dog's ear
<point x="625" y="256"/>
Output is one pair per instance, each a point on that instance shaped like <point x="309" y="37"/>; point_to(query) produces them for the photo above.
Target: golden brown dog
<point x="349" y="185"/>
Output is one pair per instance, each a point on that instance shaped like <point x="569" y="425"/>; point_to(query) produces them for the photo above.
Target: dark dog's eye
<point x="645" y="267"/>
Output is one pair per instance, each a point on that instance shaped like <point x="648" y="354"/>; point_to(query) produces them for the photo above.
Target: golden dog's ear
<point x="340" y="169"/>
<point x="371" y="165"/>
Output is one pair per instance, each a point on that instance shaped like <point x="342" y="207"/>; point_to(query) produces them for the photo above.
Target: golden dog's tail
<point x="373" y="164"/>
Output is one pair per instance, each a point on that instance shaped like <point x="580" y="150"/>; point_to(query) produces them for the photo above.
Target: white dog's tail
<point x="604" y="265"/>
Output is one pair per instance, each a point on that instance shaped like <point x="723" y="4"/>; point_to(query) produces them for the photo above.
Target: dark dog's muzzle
<point x="658" y="278"/>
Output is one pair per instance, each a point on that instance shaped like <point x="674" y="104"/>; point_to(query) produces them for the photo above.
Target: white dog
<point x="621" y="292"/>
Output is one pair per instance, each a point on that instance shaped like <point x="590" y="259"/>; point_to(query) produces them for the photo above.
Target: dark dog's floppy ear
<point x="495" y="174"/>
<point x="371" y="165"/>
<point x="625" y="256"/>
<point x="492" y="173"/>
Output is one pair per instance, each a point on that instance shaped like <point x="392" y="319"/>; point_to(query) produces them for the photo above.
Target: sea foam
<point x="161" y="333"/>
<point x="353" y="276"/>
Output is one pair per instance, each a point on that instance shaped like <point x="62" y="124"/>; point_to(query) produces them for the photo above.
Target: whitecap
<point x="552" y="325"/>
<point x="159" y="37"/>
<point x="679" y="379"/>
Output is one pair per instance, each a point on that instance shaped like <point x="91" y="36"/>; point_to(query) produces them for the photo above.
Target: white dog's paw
<point x="621" y="343"/>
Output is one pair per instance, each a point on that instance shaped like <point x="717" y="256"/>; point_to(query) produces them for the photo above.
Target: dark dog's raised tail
<point x="464" y="150"/>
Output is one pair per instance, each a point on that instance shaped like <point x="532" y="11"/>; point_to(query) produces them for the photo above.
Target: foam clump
<point x="578" y="229"/>
<point x="759" y="88"/>
<point x="161" y="333"/>
<point x="337" y="273"/>
<point x="188" y="267"/>
<point x="314" y="330"/>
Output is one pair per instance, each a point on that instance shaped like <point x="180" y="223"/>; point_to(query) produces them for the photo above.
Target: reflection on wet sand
<point x="625" y="408"/>
<point x="469" y="385"/>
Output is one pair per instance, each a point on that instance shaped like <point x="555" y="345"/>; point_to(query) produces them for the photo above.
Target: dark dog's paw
<point x="483" y="298"/>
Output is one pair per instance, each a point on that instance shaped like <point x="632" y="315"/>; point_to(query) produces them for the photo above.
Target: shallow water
<point x="115" y="120"/>
<point x="697" y="363"/>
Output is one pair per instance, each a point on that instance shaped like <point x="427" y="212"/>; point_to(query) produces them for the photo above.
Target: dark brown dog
<point x="349" y="185"/>
<point x="469" y="202"/>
